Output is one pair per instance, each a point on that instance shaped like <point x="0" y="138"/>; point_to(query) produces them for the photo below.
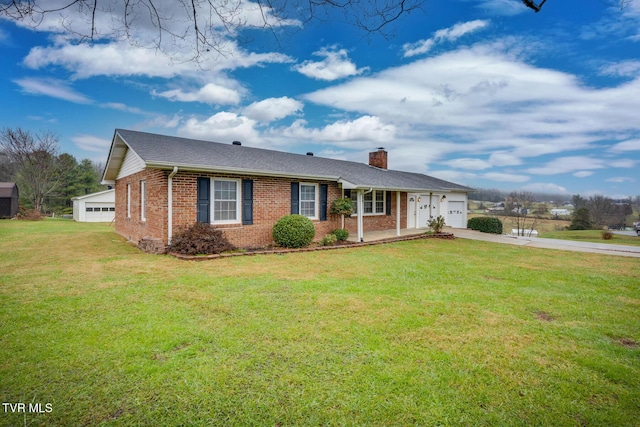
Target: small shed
<point x="95" y="207"/>
<point x="8" y="199"/>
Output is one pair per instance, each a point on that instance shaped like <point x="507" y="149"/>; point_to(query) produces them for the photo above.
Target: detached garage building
<point x="8" y="199"/>
<point x="96" y="207"/>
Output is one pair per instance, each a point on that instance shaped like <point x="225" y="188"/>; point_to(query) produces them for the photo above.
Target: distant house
<point x="8" y="199"/>
<point x="95" y="207"/>
<point x="163" y="183"/>
<point x="560" y="212"/>
<point x="497" y="207"/>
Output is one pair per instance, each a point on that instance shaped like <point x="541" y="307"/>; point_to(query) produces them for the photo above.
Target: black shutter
<point x="388" y="202"/>
<point x="295" y="197"/>
<point x="324" y="189"/>
<point x="247" y="201"/>
<point x="204" y="199"/>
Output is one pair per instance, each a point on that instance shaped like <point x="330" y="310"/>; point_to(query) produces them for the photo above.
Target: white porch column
<point x="170" y="204"/>
<point x="397" y="213"/>
<point x="360" y="210"/>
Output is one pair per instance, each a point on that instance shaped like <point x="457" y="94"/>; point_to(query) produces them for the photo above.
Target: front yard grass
<point x="594" y="236"/>
<point x="428" y="332"/>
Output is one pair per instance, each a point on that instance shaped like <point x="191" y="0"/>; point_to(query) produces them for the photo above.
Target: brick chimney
<point x="378" y="158"/>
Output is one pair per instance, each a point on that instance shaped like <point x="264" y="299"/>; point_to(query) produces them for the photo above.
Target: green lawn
<point x="592" y="236"/>
<point x="426" y="333"/>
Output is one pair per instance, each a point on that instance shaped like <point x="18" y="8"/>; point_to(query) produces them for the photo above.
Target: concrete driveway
<point x="537" y="242"/>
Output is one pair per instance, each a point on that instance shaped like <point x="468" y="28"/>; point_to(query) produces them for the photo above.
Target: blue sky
<point x="484" y="93"/>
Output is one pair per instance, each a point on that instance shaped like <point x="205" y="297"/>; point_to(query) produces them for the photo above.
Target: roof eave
<point x="238" y="171"/>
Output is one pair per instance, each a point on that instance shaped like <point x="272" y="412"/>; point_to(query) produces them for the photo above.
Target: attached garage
<point x="96" y="207"/>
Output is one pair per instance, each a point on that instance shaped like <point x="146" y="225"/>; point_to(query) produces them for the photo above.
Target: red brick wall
<point x="380" y="222"/>
<point x="271" y="201"/>
<point x="134" y="228"/>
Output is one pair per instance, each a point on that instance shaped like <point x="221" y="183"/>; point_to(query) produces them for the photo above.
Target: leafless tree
<point x="202" y="25"/>
<point x="520" y="205"/>
<point x="599" y="208"/>
<point x="35" y="155"/>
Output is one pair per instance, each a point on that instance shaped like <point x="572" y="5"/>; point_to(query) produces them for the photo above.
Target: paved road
<point x="537" y="242"/>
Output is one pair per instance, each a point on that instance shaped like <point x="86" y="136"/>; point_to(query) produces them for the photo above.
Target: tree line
<point x="47" y="179"/>
<point x="594" y="212"/>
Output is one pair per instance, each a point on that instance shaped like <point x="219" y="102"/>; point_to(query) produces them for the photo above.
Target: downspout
<point x="170" y="204"/>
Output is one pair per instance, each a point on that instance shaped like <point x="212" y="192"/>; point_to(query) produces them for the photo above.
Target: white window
<point x="308" y="200"/>
<point x="128" y="200"/>
<point x="143" y="200"/>
<point x="374" y="202"/>
<point x="226" y="201"/>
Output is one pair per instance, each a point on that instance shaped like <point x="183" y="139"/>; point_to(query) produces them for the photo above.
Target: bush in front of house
<point x="329" y="240"/>
<point x="341" y="234"/>
<point x="200" y="239"/>
<point x="485" y="224"/>
<point x="293" y="231"/>
<point x="436" y="224"/>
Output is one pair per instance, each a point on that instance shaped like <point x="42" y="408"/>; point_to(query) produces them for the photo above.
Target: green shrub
<point x="200" y="239"/>
<point x="341" y="234"/>
<point x="342" y="206"/>
<point x="436" y="224"/>
<point x="294" y="231"/>
<point x="328" y="240"/>
<point x="485" y="224"/>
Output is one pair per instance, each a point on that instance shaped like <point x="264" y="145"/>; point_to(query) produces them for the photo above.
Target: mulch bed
<point x="338" y="245"/>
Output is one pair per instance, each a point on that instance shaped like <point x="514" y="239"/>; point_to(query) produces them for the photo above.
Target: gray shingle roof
<point x="168" y="151"/>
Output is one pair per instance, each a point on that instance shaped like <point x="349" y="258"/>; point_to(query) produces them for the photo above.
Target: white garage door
<point x="455" y="215"/>
<point x="96" y="212"/>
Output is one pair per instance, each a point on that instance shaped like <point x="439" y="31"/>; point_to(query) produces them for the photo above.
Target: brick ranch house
<point x="163" y="183"/>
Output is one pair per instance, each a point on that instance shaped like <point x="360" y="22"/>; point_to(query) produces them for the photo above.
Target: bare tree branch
<point x="204" y="25"/>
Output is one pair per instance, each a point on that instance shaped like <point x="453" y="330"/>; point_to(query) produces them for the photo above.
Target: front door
<point x="412" y="210"/>
<point x="418" y="210"/>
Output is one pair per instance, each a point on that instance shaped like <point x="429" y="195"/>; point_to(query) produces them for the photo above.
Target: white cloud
<point x="626" y="146"/>
<point x="78" y="23"/>
<point x="503" y="7"/>
<point x="54" y="88"/>
<point x="468" y="163"/>
<point x="579" y="163"/>
<point x="222" y="127"/>
<point x="335" y="65"/>
<point x="505" y="177"/>
<point x="622" y="69"/>
<point x="583" y="174"/>
<point x="620" y="179"/>
<point x="540" y="187"/>
<point x="503" y="158"/>
<point x="488" y="100"/>
<point x="210" y="93"/>
<point x="358" y="133"/>
<point x="123" y="59"/>
<point x="448" y="34"/>
<point x="91" y="143"/>
<point x="272" y="109"/>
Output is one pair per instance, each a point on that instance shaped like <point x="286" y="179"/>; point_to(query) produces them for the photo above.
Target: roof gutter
<point x="239" y="171"/>
<point x="170" y="204"/>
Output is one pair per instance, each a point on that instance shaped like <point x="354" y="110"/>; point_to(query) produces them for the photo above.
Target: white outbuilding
<point x="96" y="207"/>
